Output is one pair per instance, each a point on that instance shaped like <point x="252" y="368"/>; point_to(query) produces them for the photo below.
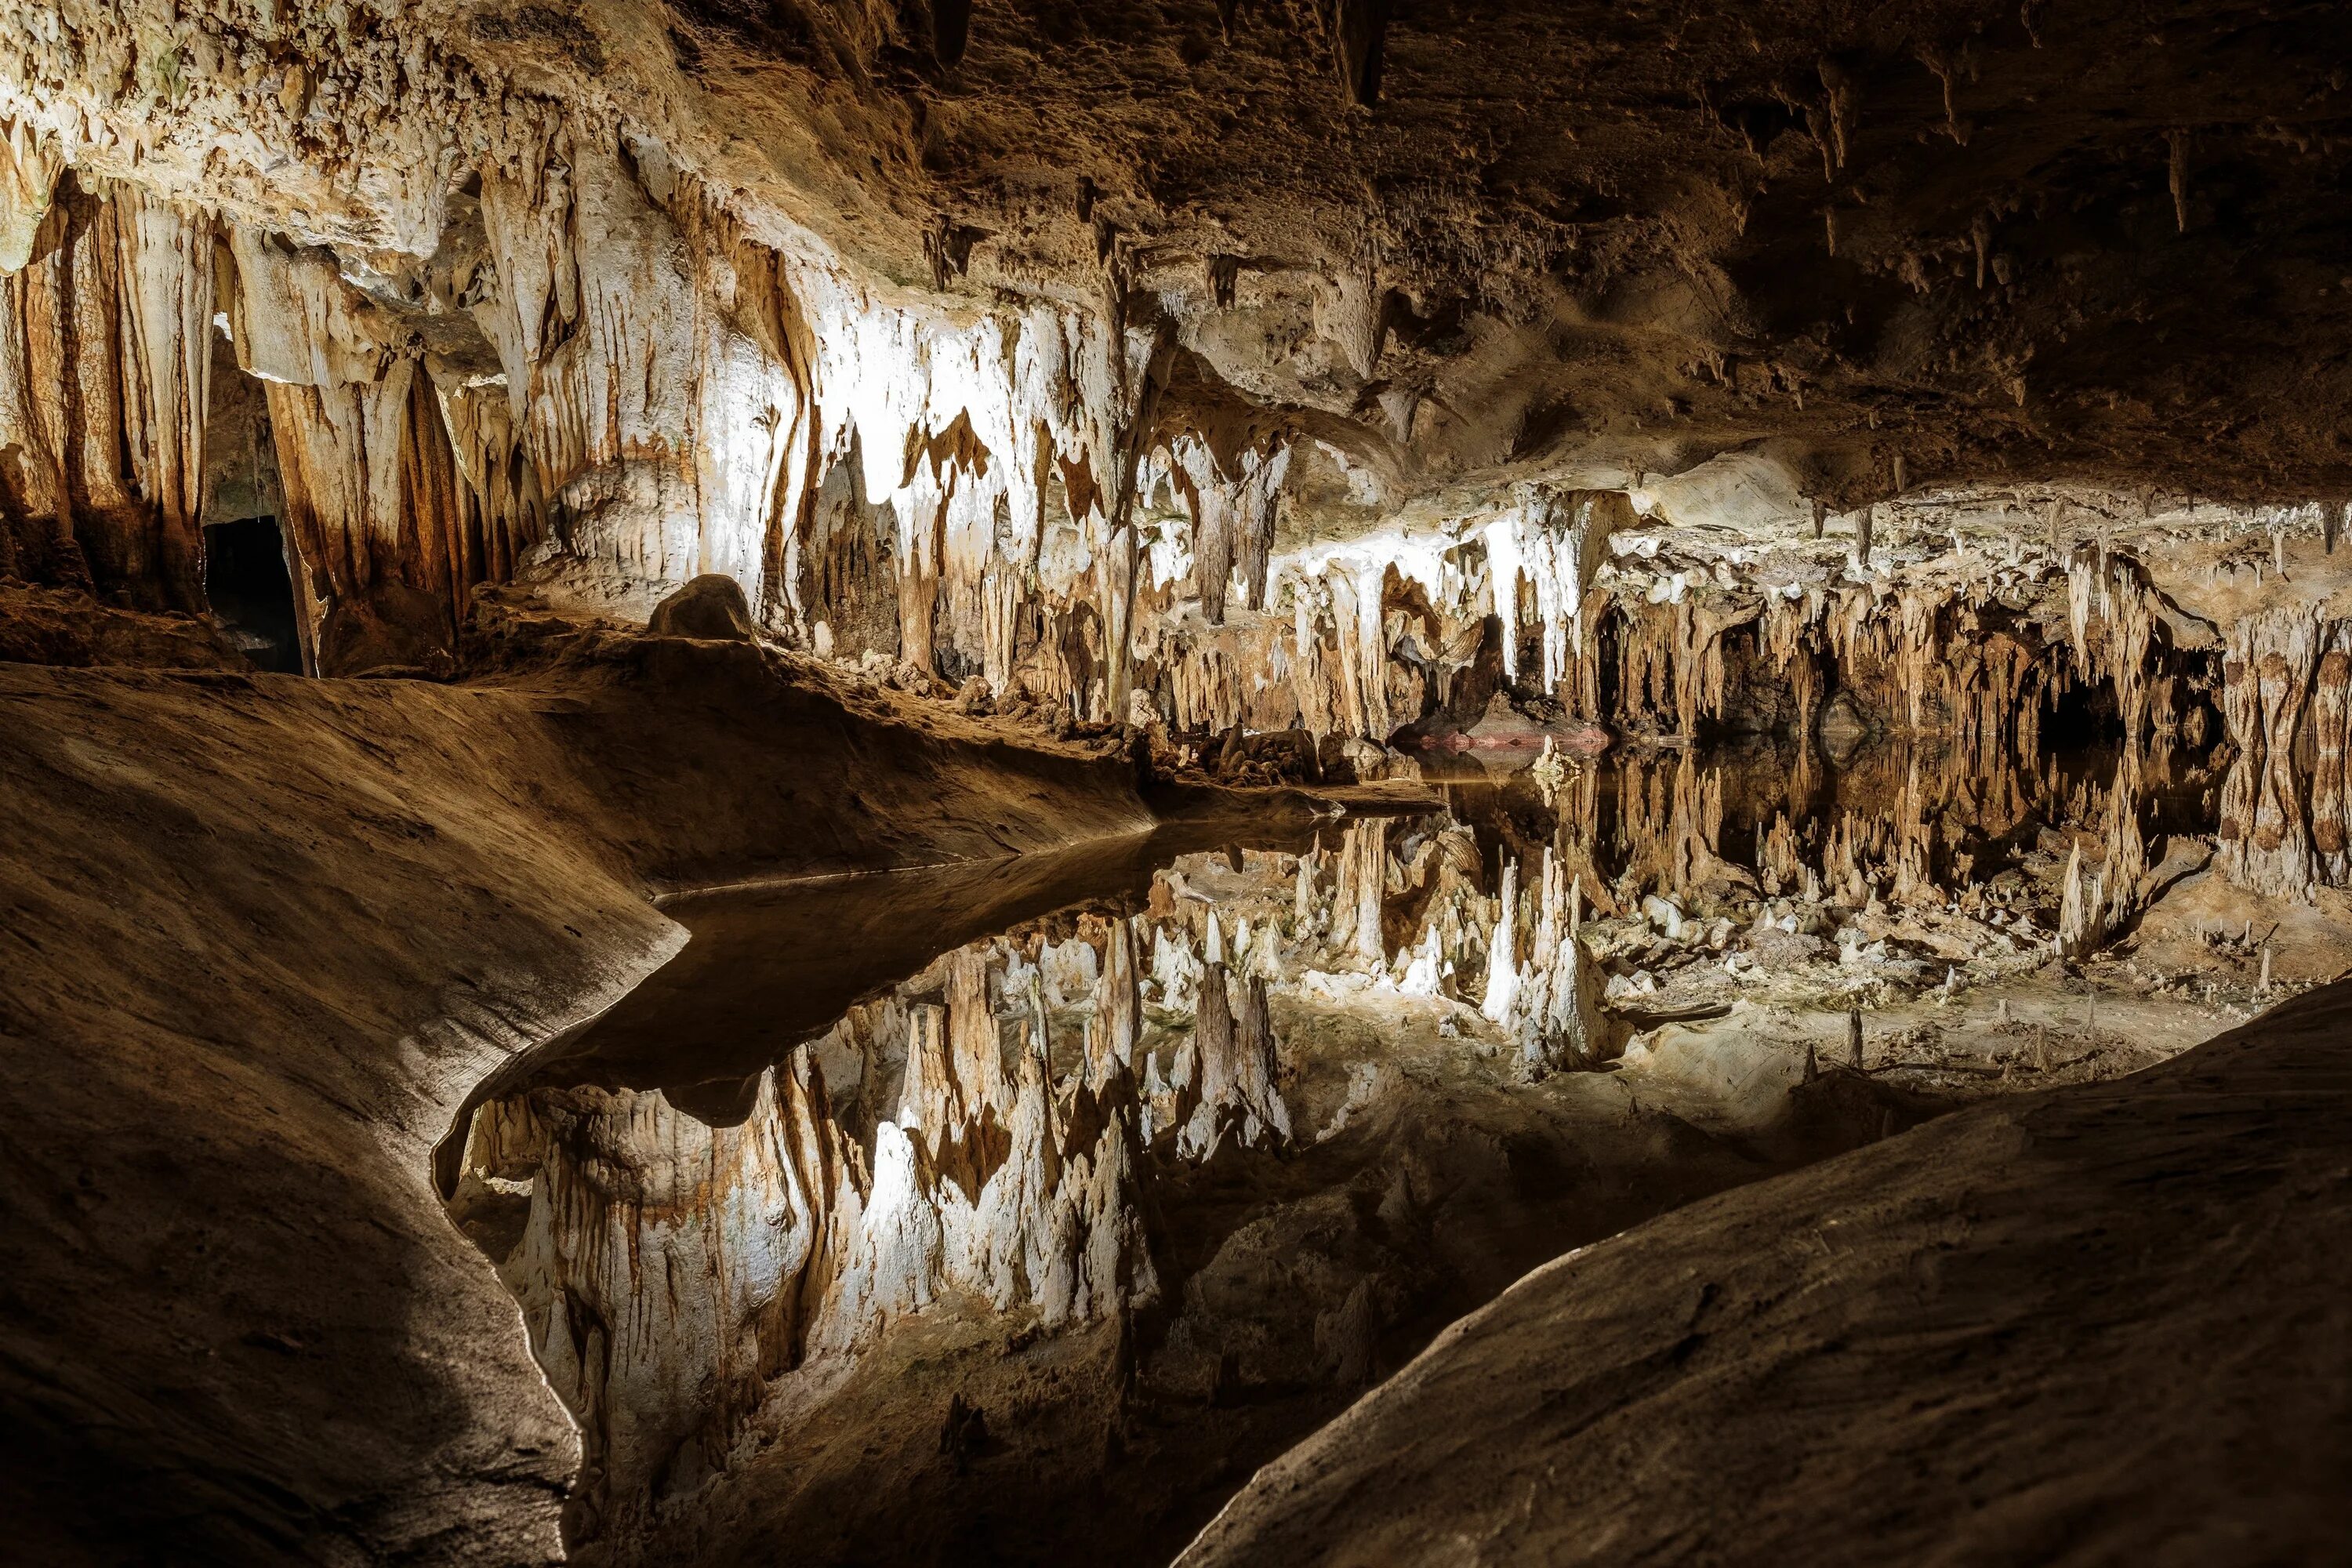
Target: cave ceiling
<point x="2095" y="240"/>
<point x="1460" y="246"/>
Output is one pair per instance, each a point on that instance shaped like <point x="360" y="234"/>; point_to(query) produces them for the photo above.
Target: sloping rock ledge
<point x="2102" y="1324"/>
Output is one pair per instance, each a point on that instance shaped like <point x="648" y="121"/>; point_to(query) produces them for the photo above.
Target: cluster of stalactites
<point x="1335" y="663"/>
<point x="2280" y="666"/>
<point x="1550" y="1001"/>
<point x="1926" y="654"/>
<point x="2111" y="610"/>
<point x="105" y="303"/>
<point x="668" y="397"/>
<point x="1005" y="1184"/>
<point x="661" y="1253"/>
<point x="1540" y="558"/>
<point x="1232" y="504"/>
<point x="1670" y="661"/>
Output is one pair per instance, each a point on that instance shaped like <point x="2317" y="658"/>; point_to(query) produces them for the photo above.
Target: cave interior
<point x="1259" y="782"/>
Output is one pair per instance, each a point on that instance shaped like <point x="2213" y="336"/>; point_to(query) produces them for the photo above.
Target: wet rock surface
<point x="1963" y="1342"/>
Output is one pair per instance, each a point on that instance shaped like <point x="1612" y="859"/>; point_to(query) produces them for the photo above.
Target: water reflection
<point x="849" y="1107"/>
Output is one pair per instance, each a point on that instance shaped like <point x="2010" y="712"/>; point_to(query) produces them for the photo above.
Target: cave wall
<point x="103" y="368"/>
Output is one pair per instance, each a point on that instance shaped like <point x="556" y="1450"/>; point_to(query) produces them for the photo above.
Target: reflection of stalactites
<point x="1550" y="772"/>
<point x="1670" y="825"/>
<point x="661" y="1253"/>
<point x="2331" y="787"/>
<point x="1502" y="950"/>
<point x="2081" y="906"/>
<point x="1303" y="903"/>
<point x="1363" y="877"/>
<point x="1575" y="831"/>
<point x="1119" y="1005"/>
<point x="1914" y="835"/>
<point x="2126" y="861"/>
<point x="1237" y="1093"/>
<point x="1010" y="1187"/>
<point x="2096" y="904"/>
<point x="1553" y="1008"/>
<point x="2266" y="678"/>
<point x="973" y="1049"/>
<point x="1779" y="864"/>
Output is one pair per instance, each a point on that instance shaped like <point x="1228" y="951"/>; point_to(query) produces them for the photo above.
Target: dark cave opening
<point x="251" y="593"/>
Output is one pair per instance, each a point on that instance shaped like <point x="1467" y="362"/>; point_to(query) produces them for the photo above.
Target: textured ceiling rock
<point x="2097" y="237"/>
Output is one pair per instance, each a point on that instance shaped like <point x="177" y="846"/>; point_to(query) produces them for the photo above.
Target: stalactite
<point x="1786" y="636"/>
<point x="372" y="509"/>
<point x="1548" y="549"/>
<point x="1359" y="598"/>
<point x="1232" y="504"/>
<point x="2111" y="610"/>
<point x="1669" y="658"/>
<point x="105" y="357"/>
